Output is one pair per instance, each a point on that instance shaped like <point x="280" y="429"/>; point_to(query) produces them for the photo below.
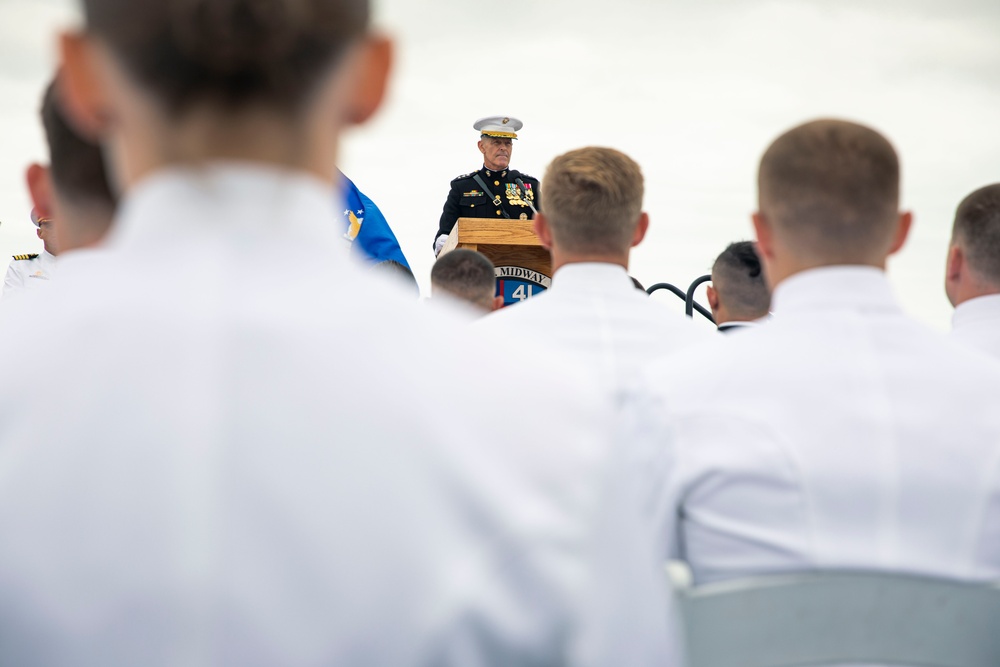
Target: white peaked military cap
<point x="504" y="127"/>
<point x="37" y="219"/>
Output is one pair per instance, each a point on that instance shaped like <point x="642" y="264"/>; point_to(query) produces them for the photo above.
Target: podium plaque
<point x="523" y="266"/>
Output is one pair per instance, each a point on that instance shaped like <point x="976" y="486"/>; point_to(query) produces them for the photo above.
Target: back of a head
<point x="977" y="230"/>
<point x="739" y="280"/>
<point x="466" y="274"/>
<point x="228" y="52"/>
<point x="830" y="189"/>
<point x="76" y="165"/>
<point x="593" y="200"/>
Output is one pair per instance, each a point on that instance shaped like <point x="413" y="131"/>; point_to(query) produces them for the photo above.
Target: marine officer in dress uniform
<point x="33" y="270"/>
<point x="493" y="191"/>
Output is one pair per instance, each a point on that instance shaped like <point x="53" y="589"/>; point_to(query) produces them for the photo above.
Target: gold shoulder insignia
<point x="22" y="257"/>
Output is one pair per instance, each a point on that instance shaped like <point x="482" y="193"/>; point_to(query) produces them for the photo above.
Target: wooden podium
<point x="523" y="266"/>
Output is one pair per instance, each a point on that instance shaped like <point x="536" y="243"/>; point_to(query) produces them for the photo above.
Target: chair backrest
<point x="839" y="617"/>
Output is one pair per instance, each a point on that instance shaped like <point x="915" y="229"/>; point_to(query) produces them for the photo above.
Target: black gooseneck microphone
<point x="521" y="190"/>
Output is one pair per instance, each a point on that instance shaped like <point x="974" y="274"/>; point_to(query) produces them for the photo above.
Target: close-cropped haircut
<point x="738" y="278"/>
<point x="228" y="52"/>
<point x="977" y="229"/>
<point x="831" y="189"/>
<point x="593" y="200"/>
<point x="467" y="274"/>
<point x="76" y="165"/>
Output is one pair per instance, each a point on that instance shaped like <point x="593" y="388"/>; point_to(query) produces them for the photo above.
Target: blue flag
<point x="367" y="229"/>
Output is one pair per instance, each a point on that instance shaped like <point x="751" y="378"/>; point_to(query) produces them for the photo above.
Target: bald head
<point x="829" y="191"/>
<point x="977" y="231"/>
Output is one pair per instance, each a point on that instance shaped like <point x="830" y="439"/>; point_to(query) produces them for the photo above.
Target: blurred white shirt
<point x="224" y="464"/>
<point x="594" y="314"/>
<point x="842" y="434"/>
<point x="976" y="322"/>
<point x="29" y="274"/>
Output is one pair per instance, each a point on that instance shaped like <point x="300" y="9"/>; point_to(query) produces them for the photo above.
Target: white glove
<point x="439" y="243"/>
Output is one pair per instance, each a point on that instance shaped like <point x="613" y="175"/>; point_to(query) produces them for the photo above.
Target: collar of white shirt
<point x="245" y="199"/>
<point x="593" y="278"/>
<point x="863" y="288"/>
<point x="737" y="324"/>
<point x="976" y="310"/>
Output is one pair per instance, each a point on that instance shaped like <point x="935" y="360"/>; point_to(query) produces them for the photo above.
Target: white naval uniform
<point x="841" y="435"/>
<point x="976" y="322"/>
<point x="225" y="465"/>
<point x="29" y="274"/>
<point x="594" y="313"/>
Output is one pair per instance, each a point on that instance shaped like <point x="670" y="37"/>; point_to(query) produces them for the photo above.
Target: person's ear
<point x="713" y="298"/>
<point x="39" y="180"/>
<point x="482" y="149"/>
<point x="956" y="259"/>
<point x="765" y="239"/>
<point x="81" y="92"/>
<point x="954" y="271"/>
<point x="372" y="80"/>
<point x="640" y="229"/>
<point x="903" y="226"/>
<point x="542" y="230"/>
<point x="766" y="247"/>
<point x="497" y="302"/>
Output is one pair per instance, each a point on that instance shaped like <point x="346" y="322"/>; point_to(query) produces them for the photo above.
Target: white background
<point x="693" y="91"/>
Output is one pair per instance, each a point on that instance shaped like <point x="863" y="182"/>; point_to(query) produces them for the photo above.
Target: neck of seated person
<point x="966" y="284"/>
<point x="256" y="135"/>
<point x="969" y="292"/>
<point x="962" y="281"/>
<point x="784" y="255"/>
<point x="82" y="223"/>
<point x="783" y="258"/>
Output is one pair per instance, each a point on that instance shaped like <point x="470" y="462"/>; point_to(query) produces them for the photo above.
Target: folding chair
<point x="838" y="617"/>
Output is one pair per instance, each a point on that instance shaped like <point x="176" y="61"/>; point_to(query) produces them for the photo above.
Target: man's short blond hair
<point x="830" y="188"/>
<point x="593" y="200"/>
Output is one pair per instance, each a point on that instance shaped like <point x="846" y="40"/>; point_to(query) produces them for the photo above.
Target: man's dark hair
<point x="230" y="52"/>
<point x="831" y="189"/>
<point x="76" y="165"/>
<point x="738" y="278"/>
<point x="977" y="229"/>
<point x="467" y="274"/>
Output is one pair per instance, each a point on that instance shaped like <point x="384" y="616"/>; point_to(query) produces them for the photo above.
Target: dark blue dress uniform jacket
<point x="467" y="199"/>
